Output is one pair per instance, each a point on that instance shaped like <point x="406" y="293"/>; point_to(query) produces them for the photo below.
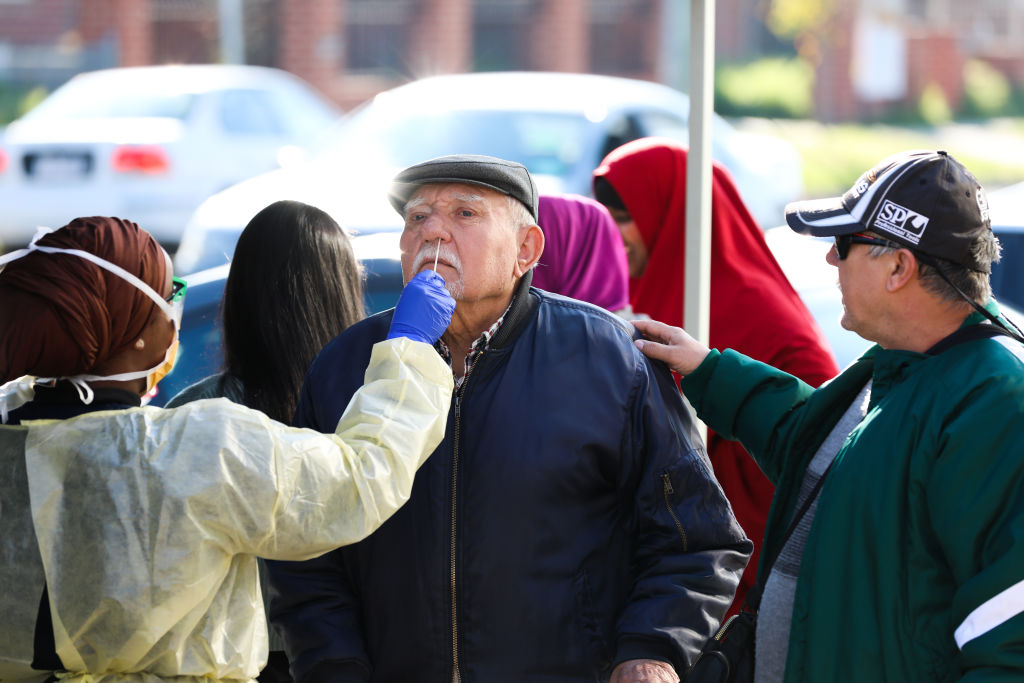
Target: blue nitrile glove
<point x="424" y="310"/>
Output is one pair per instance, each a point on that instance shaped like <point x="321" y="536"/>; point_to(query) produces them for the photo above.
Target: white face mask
<point x="20" y="391"/>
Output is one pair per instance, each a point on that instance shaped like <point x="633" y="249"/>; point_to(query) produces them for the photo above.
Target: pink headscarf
<point x="584" y="257"/>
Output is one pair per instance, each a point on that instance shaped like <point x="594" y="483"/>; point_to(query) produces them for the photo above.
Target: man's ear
<point x="903" y="270"/>
<point x="531" y="246"/>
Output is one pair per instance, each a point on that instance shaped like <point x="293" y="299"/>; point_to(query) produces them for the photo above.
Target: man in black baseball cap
<point x="906" y="466"/>
<point x="570" y="470"/>
<point x="923" y="201"/>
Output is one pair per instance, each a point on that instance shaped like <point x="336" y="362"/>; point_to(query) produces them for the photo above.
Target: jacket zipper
<point x="666" y="486"/>
<point x="724" y="627"/>
<point x="456" y="676"/>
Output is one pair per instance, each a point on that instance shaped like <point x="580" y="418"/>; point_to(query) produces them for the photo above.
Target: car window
<point x="620" y="131"/>
<point x="73" y="101"/>
<point x="544" y="142"/>
<point x="248" y="112"/>
<point x="663" y="124"/>
<point x="303" y="113"/>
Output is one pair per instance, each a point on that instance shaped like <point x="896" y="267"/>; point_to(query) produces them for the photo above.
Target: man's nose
<point x="433" y="227"/>
<point x="832" y="257"/>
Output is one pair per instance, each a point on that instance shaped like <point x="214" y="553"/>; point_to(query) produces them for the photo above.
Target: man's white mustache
<point x="427" y="253"/>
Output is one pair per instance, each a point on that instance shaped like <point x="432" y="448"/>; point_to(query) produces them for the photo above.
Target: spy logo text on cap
<point x="901" y="221"/>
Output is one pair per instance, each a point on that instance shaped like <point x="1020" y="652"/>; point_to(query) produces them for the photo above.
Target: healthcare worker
<point x="129" y="533"/>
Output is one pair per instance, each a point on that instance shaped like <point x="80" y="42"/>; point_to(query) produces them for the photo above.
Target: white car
<point x="149" y="144"/>
<point x="560" y="126"/>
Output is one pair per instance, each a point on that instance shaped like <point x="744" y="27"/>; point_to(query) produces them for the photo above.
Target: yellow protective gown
<point x="149" y="521"/>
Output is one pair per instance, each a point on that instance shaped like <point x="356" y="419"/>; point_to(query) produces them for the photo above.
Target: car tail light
<point x="3" y="161"/>
<point x="150" y="160"/>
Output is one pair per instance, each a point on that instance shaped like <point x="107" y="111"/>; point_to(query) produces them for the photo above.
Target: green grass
<point x="773" y="86"/>
<point x="834" y="156"/>
<point x="16" y="100"/>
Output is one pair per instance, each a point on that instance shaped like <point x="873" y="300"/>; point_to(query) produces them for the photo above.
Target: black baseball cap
<point x="924" y="200"/>
<point x="507" y="177"/>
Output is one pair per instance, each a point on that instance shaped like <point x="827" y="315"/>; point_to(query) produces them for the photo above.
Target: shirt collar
<point x="481" y="344"/>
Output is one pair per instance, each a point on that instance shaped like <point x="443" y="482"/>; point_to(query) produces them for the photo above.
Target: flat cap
<point x="507" y="177"/>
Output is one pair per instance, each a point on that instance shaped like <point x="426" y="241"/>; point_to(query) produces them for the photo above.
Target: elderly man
<point x="907" y="567"/>
<point x="567" y="529"/>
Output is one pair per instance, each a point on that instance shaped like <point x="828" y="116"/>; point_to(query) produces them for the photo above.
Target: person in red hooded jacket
<point x="754" y="308"/>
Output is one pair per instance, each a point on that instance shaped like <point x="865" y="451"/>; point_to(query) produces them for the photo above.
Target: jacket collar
<point x="520" y="311"/>
<point x="892" y="365"/>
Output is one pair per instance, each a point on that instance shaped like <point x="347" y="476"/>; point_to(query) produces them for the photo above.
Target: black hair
<point x="294" y="285"/>
<point x="605" y="194"/>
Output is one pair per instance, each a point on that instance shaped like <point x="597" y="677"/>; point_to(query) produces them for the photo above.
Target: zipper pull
<point x="667" y="482"/>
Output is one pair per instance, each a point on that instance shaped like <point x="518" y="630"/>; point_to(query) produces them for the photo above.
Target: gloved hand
<point x="424" y="310"/>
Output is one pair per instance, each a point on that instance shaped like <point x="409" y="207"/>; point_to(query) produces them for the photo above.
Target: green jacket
<point x="920" y="523"/>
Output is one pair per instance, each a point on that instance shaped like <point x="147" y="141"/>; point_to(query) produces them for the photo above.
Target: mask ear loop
<point x="102" y="263"/>
<point x="85" y="392"/>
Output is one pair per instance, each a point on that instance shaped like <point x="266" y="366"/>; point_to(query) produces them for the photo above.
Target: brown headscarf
<point x="61" y="314"/>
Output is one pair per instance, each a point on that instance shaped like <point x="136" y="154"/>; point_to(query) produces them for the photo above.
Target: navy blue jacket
<point x="568" y="521"/>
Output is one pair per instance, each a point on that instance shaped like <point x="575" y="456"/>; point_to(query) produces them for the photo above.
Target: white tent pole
<point x="698" y="171"/>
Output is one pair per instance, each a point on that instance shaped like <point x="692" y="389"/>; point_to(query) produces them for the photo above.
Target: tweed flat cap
<point x="507" y="177"/>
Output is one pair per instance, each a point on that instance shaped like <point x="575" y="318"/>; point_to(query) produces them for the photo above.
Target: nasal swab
<point x="437" y="253"/>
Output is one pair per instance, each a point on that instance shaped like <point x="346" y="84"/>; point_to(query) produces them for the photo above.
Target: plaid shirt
<point x="477" y="348"/>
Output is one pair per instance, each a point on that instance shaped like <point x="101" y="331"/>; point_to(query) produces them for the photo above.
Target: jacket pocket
<point x="668" y="491"/>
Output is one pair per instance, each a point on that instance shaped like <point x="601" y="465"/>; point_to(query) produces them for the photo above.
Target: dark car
<point x="200" y="353"/>
<point x="1007" y="210"/>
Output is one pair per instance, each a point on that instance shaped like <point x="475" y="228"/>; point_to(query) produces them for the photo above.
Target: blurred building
<point x="349" y="49"/>
<point x="872" y="54"/>
<point x="877" y="54"/>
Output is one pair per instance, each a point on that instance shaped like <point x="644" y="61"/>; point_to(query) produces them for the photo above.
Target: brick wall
<point x="559" y="36"/>
<point x="934" y="56"/>
<point x="132" y="20"/>
<point x="441" y="37"/>
<point x="36" y="22"/>
<point x="834" y="99"/>
<point x="310" y="42"/>
<point x="58" y="37"/>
